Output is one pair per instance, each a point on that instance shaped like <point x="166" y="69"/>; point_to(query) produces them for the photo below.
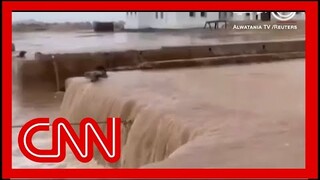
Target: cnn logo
<point x="63" y="133"/>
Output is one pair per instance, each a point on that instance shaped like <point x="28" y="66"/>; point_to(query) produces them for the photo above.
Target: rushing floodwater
<point x="266" y="102"/>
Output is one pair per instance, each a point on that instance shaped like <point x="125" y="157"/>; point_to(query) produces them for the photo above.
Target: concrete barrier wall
<point x="236" y="49"/>
<point x="36" y="70"/>
<point x="32" y="73"/>
<point x="67" y="68"/>
<point x="110" y="59"/>
<point x="165" y="54"/>
<point x="125" y="58"/>
<point x="134" y="57"/>
<point x="222" y="60"/>
<point x="187" y="52"/>
<point x="71" y="65"/>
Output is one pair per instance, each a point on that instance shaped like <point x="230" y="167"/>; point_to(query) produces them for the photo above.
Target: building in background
<point x="168" y="20"/>
<point x="181" y="20"/>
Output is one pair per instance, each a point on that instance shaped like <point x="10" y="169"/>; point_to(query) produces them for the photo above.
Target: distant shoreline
<point x="35" y="26"/>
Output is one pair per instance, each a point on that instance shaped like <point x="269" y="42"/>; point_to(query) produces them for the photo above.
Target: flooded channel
<point x="236" y="116"/>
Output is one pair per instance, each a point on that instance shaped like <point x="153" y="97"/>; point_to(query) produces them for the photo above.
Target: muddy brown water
<point x="257" y="114"/>
<point x="86" y="41"/>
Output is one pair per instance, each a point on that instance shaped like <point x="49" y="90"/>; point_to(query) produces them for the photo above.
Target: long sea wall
<point x="56" y="68"/>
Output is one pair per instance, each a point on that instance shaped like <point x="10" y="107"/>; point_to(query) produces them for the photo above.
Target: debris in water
<point x="94" y="76"/>
<point x="22" y="54"/>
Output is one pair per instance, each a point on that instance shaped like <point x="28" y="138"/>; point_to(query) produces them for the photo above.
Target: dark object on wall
<point x="103" y="26"/>
<point x="13" y="47"/>
<point x="100" y="72"/>
<point x="22" y="54"/>
<point x="266" y="16"/>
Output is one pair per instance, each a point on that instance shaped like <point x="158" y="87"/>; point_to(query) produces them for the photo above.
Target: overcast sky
<point x="68" y="16"/>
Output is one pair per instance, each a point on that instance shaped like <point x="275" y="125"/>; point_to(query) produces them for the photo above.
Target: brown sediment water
<point x="229" y="116"/>
<point x="34" y="102"/>
<point x="84" y="41"/>
<point x="235" y="116"/>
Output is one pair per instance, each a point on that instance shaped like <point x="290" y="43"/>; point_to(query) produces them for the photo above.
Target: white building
<point x="168" y="20"/>
<point x="180" y="20"/>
